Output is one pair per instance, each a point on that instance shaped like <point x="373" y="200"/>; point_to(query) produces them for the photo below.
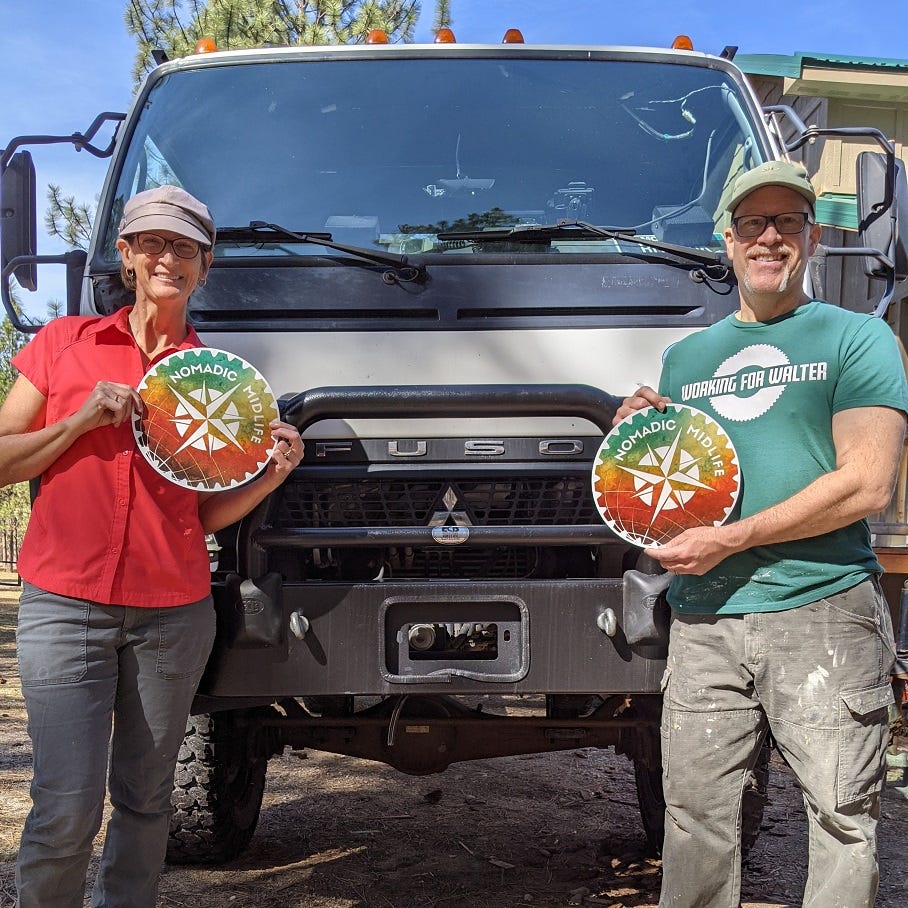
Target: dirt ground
<point x="336" y="832"/>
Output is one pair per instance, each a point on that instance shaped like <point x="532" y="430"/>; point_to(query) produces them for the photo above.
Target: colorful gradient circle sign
<point x="205" y="425"/>
<point x="658" y="474"/>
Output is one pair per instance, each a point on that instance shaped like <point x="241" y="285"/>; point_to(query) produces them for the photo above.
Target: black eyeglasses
<point x="152" y="244"/>
<point x="788" y="222"/>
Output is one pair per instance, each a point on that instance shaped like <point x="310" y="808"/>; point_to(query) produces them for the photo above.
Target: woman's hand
<point x="219" y="509"/>
<point x="643" y="397"/>
<point x="28" y="446"/>
<point x="288" y="448"/>
<point x="109" y="404"/>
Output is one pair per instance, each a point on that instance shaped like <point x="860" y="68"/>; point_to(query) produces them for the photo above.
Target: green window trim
<point x="834" y="209"/>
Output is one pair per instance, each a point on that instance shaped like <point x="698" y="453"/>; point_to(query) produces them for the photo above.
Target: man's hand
<point x="868" y="443"/>
<point x="694" y="551"/>
<point x="643" y="397"/>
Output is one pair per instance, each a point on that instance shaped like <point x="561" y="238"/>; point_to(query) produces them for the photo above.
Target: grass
<point x="14" y="801"/>
<point x="9" y="603"/>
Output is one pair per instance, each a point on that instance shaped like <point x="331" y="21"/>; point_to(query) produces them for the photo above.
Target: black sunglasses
<point x="788" y="222"/>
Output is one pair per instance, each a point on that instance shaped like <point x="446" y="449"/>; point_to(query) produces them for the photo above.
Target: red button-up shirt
<point x="105" y="526"/>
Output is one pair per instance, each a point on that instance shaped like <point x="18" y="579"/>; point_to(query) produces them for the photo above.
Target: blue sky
<point x="64" y="61"/>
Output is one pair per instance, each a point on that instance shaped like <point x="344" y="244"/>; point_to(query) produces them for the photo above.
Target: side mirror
<point x="882" y="214"/>
<point x="18" y="230"/>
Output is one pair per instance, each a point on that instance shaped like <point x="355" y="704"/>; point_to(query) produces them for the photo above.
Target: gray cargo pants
<point x="83" y="666"/>
<point x="817" y="676"/>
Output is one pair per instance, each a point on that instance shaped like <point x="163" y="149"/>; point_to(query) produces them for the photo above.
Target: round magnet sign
<point x="205" y="425"/>
<point x="658" y="474"/>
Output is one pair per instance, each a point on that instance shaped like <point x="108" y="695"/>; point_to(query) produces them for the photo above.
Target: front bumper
<point x="553" y="637"/>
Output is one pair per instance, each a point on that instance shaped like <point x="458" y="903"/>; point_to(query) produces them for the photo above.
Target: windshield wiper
<point x="530" y="233"/>
<point x="264" y="232"/>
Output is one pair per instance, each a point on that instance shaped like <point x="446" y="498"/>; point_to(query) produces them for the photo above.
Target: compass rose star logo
<point x="206" y="419"/>
<point x="672" y="479"/>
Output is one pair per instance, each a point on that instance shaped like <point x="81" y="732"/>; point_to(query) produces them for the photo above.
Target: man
<point x="779" y="624"/>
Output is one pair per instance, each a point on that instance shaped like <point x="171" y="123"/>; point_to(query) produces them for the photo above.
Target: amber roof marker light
<point x="682" y="42"/>
<point x="205" y="46"/>
<point x="445" y="36"/>
<point x="513" y="36"/>
<point x="376" y="36"/>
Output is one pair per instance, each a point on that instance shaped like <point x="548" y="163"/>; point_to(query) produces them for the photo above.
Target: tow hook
<point x="608" y="622"/>
<point x="299" y="624"/>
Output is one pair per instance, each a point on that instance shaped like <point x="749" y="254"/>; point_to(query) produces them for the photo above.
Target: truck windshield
<point x="389" y="153"/>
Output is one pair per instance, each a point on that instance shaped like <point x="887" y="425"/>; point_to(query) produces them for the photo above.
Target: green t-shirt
<point x="774" y="387"/>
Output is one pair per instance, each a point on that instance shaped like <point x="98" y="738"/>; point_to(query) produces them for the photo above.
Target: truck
<point x="450" y="262"/>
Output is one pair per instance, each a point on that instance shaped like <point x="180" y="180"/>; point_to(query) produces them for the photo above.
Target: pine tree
<point x="442" y="15"/>
<point x="67" y="218"/>
<point x="14" y="499"/>
<point x="11" y="342"/>
<point x="175" y="26"/>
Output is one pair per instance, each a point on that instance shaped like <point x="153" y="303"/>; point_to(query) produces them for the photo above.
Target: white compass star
<point x="208" y="420"/>
<point x="675" y="475"/>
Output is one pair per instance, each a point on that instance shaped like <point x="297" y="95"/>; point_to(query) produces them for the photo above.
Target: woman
<point x="116" y="618"/>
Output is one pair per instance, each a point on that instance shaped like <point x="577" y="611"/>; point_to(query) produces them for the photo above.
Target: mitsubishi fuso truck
<point x="450" y="262"/>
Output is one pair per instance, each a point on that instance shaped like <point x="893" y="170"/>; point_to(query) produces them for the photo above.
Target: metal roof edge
<point x="792" y="66"/>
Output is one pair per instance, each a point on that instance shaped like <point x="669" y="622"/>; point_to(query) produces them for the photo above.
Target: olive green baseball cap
<point x="772" y="173"/>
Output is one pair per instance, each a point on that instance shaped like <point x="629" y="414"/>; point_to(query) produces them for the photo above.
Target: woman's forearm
<point x="23" y="456"/>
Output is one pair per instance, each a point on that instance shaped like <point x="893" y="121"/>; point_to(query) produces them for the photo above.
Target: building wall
<point x="853" y="97"/>
<point x="832" y="164"/>
<point x="836" y="171"/>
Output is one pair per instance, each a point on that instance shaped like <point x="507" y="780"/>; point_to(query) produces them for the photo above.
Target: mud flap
<point x="646" y="610"/>
<point x="255" y="618"/>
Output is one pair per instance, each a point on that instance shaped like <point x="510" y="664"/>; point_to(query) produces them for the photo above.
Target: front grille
<point x="499" y="563"/>
<point x="537" y="501"/>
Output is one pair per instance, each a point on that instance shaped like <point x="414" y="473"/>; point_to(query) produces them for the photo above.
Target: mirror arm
<point x="72" y="259"/>
<point x="81" y="141"/>
<point x="884" y="260"/>
<point x="808" y="133"/>
<point x="789" y="112"/>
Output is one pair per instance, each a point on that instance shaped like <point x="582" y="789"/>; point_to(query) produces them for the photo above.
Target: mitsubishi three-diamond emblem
<point x="206" y="419"/>
<point x="450" y="517"/>
<point x="658" y="474"/>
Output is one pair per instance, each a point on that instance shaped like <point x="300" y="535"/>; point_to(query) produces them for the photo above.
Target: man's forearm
<point x="830" y="502"/>
<point x="869" y="445"/>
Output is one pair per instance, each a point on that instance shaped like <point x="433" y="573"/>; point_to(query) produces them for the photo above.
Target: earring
<point x="131" y="273"/>
<point x="202" y="281"/>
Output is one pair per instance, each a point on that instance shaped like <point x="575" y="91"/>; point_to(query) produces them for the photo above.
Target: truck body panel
<point x="450" y="263"/>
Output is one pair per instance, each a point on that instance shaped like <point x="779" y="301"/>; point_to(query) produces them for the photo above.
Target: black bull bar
<point x="433" y="402"/>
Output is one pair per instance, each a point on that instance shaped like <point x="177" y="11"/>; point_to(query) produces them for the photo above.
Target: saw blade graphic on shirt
<point x="658" y="474"/>
<point x="206" y="419"/>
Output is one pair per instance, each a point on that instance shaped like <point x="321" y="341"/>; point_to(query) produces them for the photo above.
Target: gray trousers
<point x="85" y="666"/>
<point x="817" y="677"/>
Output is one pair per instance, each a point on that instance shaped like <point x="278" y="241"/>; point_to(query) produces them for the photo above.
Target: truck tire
<point x="652" y="804"/>
<point x="218" y="786"/>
